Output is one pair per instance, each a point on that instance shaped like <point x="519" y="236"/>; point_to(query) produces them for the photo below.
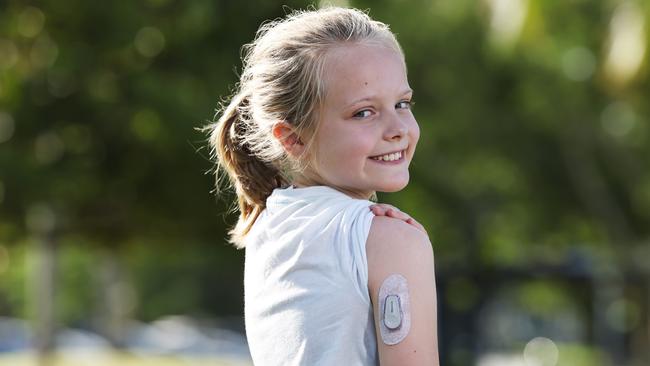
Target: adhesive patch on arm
<point x="394" y="309"/>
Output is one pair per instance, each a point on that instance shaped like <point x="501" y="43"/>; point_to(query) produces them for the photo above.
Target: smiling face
<point x="367" y="134"/>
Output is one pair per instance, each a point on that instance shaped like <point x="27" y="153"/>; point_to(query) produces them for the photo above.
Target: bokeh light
<point x="627" y="42"/>
<point x="48" y="147"/>
<point x="30" y="21"/>
<point x="507" y="18"/>
<point x="623" y="315"/>
<point x="541" y="351"/>
<point x="149" y="41"/>
<point x="618" y="118"/>
<point x="578" y="64"/>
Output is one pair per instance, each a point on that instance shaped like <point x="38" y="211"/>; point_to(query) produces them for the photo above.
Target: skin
<point x="379" y="122"/>
<point x="395" y="247"/>
<point x="366" y="113"/>
<point x="383" y="209"/>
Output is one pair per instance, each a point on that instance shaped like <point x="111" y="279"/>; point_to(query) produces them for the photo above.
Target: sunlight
<point x="507" y="19"/>
<point x="626" y="44"/>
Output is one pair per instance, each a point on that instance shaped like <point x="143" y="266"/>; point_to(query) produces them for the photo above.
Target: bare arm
<point x="396" y="249"/>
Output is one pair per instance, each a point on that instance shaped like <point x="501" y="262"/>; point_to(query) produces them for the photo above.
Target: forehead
<point x="359" y="70"/>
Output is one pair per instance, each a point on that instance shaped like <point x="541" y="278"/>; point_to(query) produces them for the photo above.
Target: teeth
<point x="389" y="157"/>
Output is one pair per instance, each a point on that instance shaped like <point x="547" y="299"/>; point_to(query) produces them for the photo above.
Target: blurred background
<point x="532" y="176"/>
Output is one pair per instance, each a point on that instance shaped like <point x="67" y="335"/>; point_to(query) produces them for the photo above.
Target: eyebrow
<point x="371" y="97"/>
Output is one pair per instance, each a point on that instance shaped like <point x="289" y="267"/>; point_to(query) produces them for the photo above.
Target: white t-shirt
<point x="306" y="280"/>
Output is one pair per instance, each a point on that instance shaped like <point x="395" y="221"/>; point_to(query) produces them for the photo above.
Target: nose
<point x="396" y="129"/>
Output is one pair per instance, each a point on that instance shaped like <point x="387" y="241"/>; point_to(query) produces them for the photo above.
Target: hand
<point x="383" y="209"/>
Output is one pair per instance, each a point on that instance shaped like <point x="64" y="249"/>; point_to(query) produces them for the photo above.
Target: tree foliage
<point x="534" y="149"/>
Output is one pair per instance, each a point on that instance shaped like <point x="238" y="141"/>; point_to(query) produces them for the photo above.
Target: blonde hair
<point x="281" y="80"/>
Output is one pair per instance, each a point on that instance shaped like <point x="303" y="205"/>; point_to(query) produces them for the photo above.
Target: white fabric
<point x="306" y="280"/>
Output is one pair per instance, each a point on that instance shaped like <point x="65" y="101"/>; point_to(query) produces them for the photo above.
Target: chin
<point x="394" y="185"/>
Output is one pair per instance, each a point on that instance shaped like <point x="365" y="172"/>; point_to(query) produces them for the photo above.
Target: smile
<point x="390" y="157"/>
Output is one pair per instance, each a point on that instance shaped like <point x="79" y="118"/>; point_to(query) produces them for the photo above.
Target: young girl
<point x="321" y="121"/>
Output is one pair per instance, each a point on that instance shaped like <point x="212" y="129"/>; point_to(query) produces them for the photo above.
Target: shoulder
<point x="394" y="246"/>
<point x="394" y="243"/>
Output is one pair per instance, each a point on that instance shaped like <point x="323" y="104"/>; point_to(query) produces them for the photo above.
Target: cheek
<point x="360" y="145"/>
<point x="414" y="136"/>
<point x="334" y="147"/>
<point x="414" y="131"/>
<point x="346" y="151"/>
<point x="345" y="146"/>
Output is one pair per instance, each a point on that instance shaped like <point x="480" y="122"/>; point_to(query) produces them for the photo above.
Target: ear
<point x="289" y="138"/>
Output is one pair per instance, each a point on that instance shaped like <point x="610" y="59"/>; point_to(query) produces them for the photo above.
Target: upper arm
<point x="394" y="247"/>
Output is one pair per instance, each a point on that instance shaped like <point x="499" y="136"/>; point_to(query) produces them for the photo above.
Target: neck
<point x="302" y="182"/>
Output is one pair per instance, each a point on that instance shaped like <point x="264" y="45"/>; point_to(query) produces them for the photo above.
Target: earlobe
<point x="286" y="134"/>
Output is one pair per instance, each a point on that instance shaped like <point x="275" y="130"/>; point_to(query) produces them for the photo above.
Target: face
<point x="367" y="133"/>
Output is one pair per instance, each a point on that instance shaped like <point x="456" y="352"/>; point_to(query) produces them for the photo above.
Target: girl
<point x="321" y="121"/>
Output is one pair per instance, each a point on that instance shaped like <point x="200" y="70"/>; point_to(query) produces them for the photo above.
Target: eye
<point x="363" y="113"/>
<point x="404" y="104"/>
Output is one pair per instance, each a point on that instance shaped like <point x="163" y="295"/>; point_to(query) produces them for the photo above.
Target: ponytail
<point x="252" y="179"/>
<point x="282" y="80"/>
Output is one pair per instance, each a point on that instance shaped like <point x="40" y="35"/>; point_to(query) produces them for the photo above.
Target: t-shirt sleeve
<point x="360" y="219"/>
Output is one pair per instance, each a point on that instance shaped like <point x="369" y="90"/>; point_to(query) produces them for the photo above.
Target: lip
<point x="393" y="162"/>
<point x="392" y="152"/>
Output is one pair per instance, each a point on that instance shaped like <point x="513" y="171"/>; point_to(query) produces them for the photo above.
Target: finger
<point x="383" y="209"/>
<point x="379" y="206"/>
<point x="397" y="214"/>
<point x="386" y="206"/>
<point x="391" y="207"/>
<point x="419" y="226"/>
